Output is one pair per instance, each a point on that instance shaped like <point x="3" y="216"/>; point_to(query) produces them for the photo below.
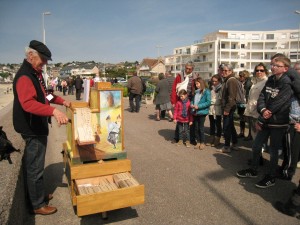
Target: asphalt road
<point x="182" y="185"/>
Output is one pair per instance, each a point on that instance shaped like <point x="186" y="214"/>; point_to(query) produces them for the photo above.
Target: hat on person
<point x="41" y="48"/>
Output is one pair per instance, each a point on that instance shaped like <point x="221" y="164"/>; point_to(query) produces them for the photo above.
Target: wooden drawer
<point x="107" y="200"/>
<point x="104" y="201"/>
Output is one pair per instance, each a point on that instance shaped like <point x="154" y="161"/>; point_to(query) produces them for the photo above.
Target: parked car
<point x="123" y="80"/>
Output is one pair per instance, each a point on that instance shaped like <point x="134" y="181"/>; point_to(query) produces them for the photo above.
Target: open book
<point x="84" y="129"/>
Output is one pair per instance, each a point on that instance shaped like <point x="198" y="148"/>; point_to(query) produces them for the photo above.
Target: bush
<point x="125" y="90"/>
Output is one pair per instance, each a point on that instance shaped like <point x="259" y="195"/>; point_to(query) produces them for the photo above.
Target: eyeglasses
<point x="259" y="71"/>
<point x="225" y="70"/>
<point x="275" y="65"/>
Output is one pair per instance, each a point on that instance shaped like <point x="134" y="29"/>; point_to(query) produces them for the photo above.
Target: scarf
<point x="217" y="88"/>
<point x="184" y="108"/>
<point x="197" y="97"/>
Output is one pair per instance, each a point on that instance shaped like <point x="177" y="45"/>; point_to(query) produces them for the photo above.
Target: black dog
<point x="6" y="147"/>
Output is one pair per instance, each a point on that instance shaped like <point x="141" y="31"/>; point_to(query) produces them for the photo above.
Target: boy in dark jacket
<point x="273" y="105"/>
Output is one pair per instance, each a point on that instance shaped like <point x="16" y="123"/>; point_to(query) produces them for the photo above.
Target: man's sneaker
<point x="268" y="181"/>
<point x="247" y="173"/>
<point x="225" y="149"/>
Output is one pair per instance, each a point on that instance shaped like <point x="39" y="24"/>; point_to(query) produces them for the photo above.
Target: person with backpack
<point x="229" y="102"/>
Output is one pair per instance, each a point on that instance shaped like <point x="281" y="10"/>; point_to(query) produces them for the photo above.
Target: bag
<point x="294" y="110"/>
<point x="6" y="147"/>
<point x="240" y="95"/>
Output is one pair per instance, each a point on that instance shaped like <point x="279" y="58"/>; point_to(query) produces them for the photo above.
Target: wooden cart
<point x="88" y="163"/>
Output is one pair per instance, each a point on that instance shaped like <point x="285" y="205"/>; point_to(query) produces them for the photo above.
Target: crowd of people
<point x="270" y="111"/>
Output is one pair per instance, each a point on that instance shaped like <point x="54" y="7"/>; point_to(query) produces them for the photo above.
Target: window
<point x="294" y="35"/>
<point x="232" y="36"/>
<point x="210" y="65"/>
<point x="255" y="36"/>
<point x="233" y="46"/>
<point x="242" y="65"/>
<point x="210" y="46"/>
<point x="270" y="36"/>
<point x="242" y="45"/>
<point x="222" y="45"/>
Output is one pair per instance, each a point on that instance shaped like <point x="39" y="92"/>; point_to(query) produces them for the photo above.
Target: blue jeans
<point x="276" y="135"/>
<point x="137" y="98"/>
<point x="199" y="127"/>
<point x="184" y="131"/>
<point x="33" y="164"/>
<point x="229" y="129"/>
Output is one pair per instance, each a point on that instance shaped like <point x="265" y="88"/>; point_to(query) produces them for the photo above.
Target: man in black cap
<point x="31" y="114"/>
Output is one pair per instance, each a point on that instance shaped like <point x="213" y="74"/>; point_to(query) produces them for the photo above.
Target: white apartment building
<point x="243" y="49"/>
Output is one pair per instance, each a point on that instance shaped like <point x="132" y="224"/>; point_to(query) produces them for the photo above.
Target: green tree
<point x="4" y="75"/>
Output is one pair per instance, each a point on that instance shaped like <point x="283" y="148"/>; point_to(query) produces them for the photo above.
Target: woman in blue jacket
<point x="200" y="108"/>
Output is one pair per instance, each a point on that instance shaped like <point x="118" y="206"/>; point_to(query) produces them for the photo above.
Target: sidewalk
<point x="182" y="185"/>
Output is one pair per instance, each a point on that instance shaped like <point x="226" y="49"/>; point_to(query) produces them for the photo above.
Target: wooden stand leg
<point x="104" y="215"/>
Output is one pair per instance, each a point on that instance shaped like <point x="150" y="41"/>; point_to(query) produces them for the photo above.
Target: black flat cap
<point x="41" y="48"/>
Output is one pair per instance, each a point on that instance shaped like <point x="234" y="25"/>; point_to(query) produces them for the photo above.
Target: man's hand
<point x="60" y="117"/>
<point x="267" y="114"/>
<point x="67" y="103"/>
<point x="226" y="113"/>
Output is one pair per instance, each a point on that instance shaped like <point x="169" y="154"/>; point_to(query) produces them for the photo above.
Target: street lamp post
<point x="44" y="41"/>
<point x="43" y="19"/>
<point x="298" y="12"/>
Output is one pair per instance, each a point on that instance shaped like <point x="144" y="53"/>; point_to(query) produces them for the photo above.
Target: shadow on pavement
<point x="112" y="216"/>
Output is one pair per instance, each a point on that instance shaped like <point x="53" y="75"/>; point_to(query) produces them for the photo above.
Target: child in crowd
<point x="183" y="118"/>
<point x="215" y="111"/>
<point x="199" y="108"/>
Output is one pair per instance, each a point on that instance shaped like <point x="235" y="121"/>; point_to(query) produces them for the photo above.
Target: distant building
<point x="82" y="69"/>
<point x="149" y="67"/>
<point x="243" y="49"/>
<point x="54" y="71"/>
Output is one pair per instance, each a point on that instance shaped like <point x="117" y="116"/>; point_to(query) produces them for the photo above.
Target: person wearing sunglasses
<point x="260" y="76"/>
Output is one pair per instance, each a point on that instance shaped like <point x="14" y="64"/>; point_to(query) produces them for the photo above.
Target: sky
<point x="112" y="31"/>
